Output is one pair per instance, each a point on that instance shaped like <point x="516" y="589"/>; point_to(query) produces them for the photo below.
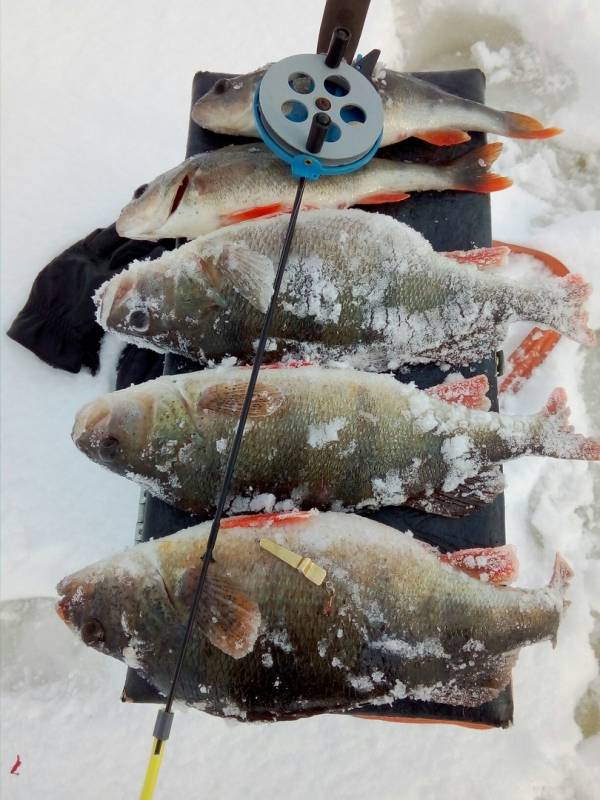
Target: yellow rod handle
<point x="152" y="771"/>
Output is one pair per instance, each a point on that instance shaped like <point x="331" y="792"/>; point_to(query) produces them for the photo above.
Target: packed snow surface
<point x="95" y="103"/>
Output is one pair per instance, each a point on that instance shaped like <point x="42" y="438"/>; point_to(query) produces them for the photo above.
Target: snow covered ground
<point x="94" y="102"/>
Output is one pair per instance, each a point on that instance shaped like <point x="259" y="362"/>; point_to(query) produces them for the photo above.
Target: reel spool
<point x="296" y="95"/>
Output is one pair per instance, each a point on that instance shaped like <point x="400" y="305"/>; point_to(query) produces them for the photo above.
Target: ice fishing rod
<point x="305" y="106"/>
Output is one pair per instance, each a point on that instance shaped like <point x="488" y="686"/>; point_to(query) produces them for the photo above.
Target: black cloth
<point x="58" y="321"/>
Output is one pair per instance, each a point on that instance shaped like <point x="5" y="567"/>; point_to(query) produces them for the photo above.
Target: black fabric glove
<point x="58" y="321"/>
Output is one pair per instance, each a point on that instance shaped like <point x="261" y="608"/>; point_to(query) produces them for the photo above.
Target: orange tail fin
<point x="558" y="437"/>
<point x="470" y="172"/>
<point x="520" y="126"/>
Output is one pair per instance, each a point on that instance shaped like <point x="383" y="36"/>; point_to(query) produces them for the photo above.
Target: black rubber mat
<point x="450" y="221"/>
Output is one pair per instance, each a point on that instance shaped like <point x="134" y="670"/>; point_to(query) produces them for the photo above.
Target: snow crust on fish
<point x="531" y="63"/>
<point x="381" y="626"/>
<point x="359" y="287"/>
<point x="414" y="446"/>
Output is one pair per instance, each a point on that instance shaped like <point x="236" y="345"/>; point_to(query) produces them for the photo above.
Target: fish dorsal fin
<point x="469" y="496"/>
<point x="227" y="616"/>
<point x="228" y="399"/>
<point x="469" y="392"/>
<point x="269" y="520"/>
<point x="498" y="565"/>
<point x="481" y="257"/>
<point x="249" y="272"/>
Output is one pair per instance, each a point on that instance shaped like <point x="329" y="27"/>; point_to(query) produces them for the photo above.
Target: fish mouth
<point x="104" y="300"/>
<point x="62" y="610"/>
<point x="66" y="590"/>
<point x="129" y="226"/>
<point x="111" y="296"/>
<point x="87" y="423"/>
<point x="146" y="216"/>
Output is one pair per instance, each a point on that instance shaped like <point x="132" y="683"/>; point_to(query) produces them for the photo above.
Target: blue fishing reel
<point x="318" y="104"/>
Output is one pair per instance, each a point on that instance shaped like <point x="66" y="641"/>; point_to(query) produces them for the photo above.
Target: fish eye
<point x="140" y="191"/>
<point x="139" y="320"/>
<point x="92" y="632"/>
<point x="108" y="448"/>
<point x="221" y="86"/>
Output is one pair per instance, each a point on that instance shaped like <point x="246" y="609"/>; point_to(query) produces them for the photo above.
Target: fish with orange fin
<point x="359" y="287"/>
<point x="411" y="106"/>
<point x="317" y="437"/>
<point x="244" y="182"/>
<point x="393" y="618"/>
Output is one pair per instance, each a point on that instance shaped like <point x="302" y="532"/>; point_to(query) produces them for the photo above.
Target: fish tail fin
<point x="562" y="574"/>
<point x="469" y="173"/>
<point x="558" y="438"/>
<point x="521" y="126"/>
<point x="568" y="315"/>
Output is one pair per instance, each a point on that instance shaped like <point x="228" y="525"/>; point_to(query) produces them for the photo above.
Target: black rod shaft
<point x="237" y="440"/>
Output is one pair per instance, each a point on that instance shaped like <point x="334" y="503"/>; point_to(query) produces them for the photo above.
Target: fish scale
<point x="241" y="182"/>
<point x="412" y="107"/>
<point x="315" y="437"/>
<point x="392" y="620"/>
<point x="359" y="287"/>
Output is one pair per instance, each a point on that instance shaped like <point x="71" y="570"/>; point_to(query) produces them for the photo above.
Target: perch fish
<point x="242" y="182"/>
<point x="358" y="287"/>
<point x="392" y="620"/>
<point x="411" y="106"/>
<point x="317" y="437"/>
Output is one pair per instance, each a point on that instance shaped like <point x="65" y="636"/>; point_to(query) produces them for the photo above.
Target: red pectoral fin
<point x="254" y="213"/>
<point x="492" y="564"/>
<point x="444" y="137"/>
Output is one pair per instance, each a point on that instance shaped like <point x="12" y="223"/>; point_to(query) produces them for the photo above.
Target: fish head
<point x="157" y="209"/>
<point x="112" y="604"/>
<point x="228" y="106"/>
<point x="147" y="301"/>
<point x="112" y="430"/>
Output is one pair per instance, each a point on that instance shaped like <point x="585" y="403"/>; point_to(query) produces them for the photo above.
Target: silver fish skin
<point x="358" y="286"/>
<point x="241" y="182"/>
<point x="316" y="437"/>
<point x="390" y="621"/>
<point x="412" y="107"/>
